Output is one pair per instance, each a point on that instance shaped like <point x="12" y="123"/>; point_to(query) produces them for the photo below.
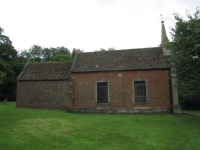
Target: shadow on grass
<point x="190" y="112"/>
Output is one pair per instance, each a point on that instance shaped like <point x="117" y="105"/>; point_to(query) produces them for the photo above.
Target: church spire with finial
<point x="174" y="89"/>
<point x="164" y="38"/>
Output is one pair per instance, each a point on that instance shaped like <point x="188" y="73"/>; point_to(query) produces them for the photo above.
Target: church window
<point x="102" y="92"/>
<point x="140" y="93"/>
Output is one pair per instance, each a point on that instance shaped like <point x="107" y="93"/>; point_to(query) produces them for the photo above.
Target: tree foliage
<point x="59" y="57"/>
<point x="39" y="54"/>
<point x="185" y="49"/>
<point x="5" y="46"/>
<point x="10" y="67"/>
<point x="103" y="50"/>
<point x="76" y="51"/>
<point x="2" y="77"/>
<point x="12" y="62"/>
<point x="3" y="38"/>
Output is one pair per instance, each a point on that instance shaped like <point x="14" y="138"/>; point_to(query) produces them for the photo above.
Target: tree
<point x="10" y="68"/>
<point x="104" y="50"/>
<point x="2" y="77"/>
<point x="76" y="51"/>
<point x="185" y="50"/>
<point x="61" y="54"/>
<point x="111" y="49"/>
<point x="38" y="54"/>
<point x="47" y="54"/>
<point x="3" y="38"/>
<point x="24" y="56"/>
<point x="61" y="58"/>
<point x="63" y="50"/>
<point x="4" y="56"/>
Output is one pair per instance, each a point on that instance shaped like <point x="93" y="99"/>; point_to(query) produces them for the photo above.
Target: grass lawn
<point x="32" y="129"/>
<point x="195" y="112"/>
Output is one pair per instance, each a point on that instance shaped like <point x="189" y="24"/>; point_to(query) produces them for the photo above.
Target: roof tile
<point x="47" y="71"/>
<point x="132" y="59"/>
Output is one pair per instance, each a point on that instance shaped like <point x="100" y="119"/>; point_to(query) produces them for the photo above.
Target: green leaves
<point x="10" y="67"/>
<point x="2" y="77"/>
<point x="4" y="39"/>
<point x="39" y="54"/>
<point x="185" y="48"/>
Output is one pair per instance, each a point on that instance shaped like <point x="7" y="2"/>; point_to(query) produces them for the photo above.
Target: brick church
<point x="119" y="81"/>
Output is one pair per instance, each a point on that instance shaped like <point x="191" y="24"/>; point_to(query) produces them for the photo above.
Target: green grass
<point x="194" y="112"/>
<point x="32" y="129"/>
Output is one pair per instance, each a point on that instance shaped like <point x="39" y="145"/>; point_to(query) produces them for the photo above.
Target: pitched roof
<point x="132" y="59"/>
<point x="46" y="71"/>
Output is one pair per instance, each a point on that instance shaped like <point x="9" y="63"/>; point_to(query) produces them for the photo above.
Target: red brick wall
<point x="121" y="95"/>
<point x="42" y="94"/>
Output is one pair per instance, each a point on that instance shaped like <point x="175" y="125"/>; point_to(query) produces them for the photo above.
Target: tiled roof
<point x="132" y="59"/>
<point x="46" y="71"/>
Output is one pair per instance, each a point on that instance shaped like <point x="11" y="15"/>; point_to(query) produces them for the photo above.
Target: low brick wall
<point x="42" y="94"/>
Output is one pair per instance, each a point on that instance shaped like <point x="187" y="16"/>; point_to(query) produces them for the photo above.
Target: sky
<point x="89" y="25"/>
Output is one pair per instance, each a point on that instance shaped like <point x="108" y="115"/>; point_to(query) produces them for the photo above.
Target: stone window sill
<point x="141" y="102"/>
<point x="102" y="103"/>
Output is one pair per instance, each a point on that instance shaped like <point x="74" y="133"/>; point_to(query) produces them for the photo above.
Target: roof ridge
<point x="23" y="70"/>
<point x="52" y="62"/>
<point x="74" y="62"/>
<point x="121" y="50"/>
<point x="46" y="71"/>
<point x="131" y="59"/>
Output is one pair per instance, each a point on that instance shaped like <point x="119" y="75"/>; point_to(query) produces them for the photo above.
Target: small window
<point x="102" y="92"/>
<point x="140" y="91"/>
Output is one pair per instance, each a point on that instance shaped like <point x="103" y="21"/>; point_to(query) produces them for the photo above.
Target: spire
<point x="164" y="38"/>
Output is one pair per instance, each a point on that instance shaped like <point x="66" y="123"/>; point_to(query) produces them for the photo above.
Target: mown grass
<point x="195" y="112"/>
<point x="30" y="129"/>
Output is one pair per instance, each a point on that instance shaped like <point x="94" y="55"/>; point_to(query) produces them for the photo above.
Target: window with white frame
<point x="140" y="91"/>
<point x="102" y="92"/>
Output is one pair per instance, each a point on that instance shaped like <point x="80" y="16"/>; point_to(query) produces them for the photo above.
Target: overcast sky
<point x="89" y="24"/>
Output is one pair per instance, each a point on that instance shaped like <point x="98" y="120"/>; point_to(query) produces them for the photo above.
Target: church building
<point x="118" y="81"/>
